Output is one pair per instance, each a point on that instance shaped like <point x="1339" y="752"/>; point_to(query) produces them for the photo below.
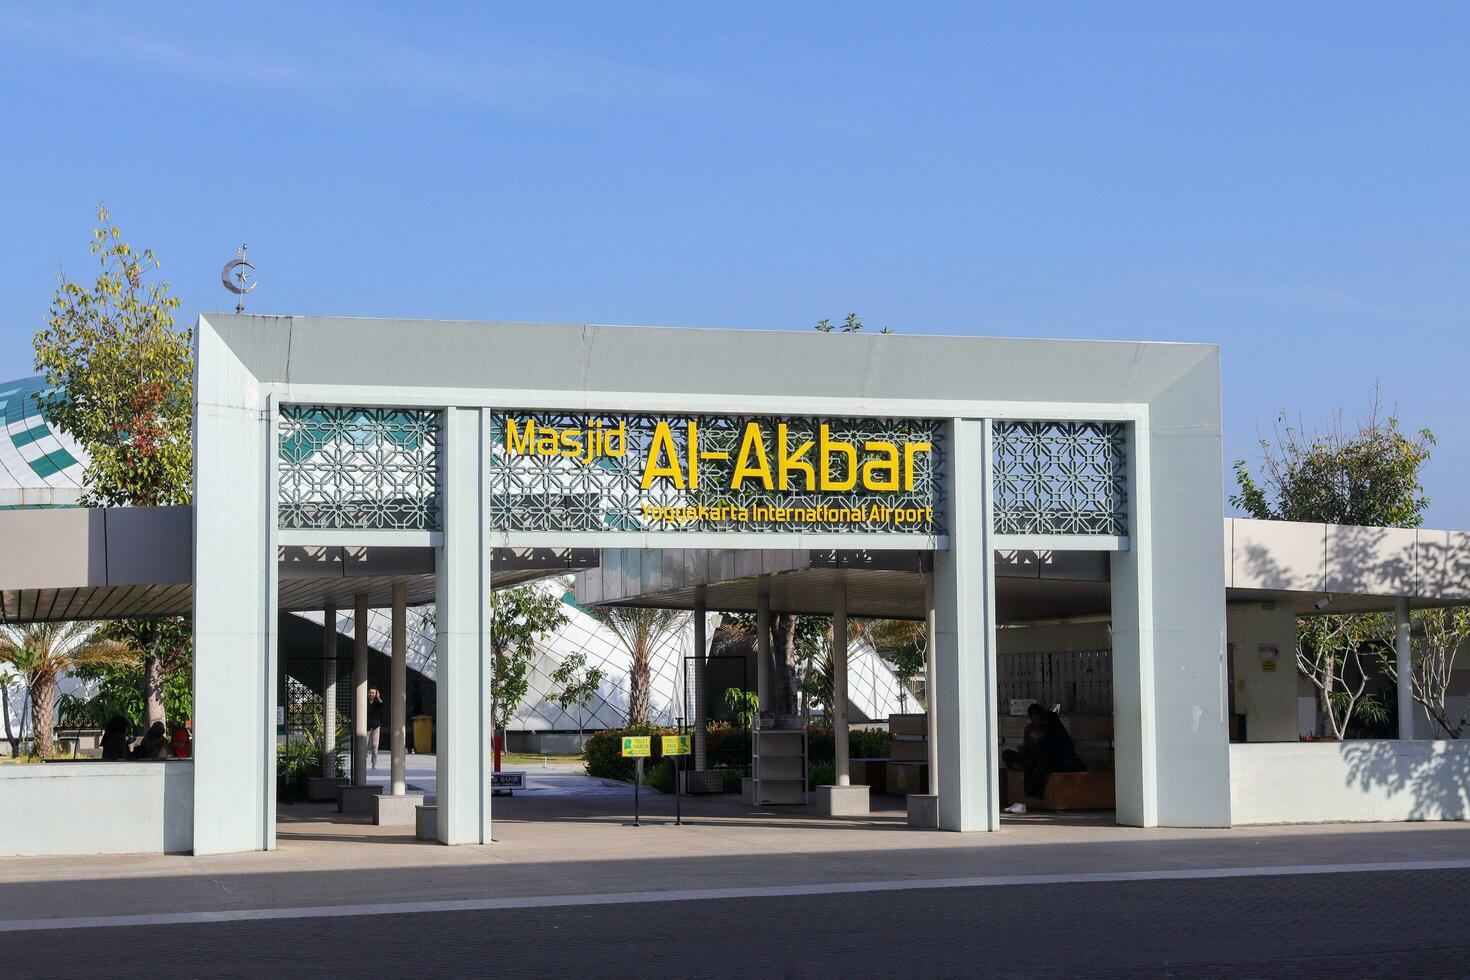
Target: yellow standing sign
<point x="637" y="746"/>
<point x="675" y="745"/>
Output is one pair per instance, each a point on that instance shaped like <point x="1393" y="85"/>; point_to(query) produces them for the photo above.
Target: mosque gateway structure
<point x="1003" y="490"/>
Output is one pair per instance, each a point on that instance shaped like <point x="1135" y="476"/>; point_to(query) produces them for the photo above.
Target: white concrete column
<point x="839" y="681"/>
<point x="701" y="650"/>
<point x="931" y="717"/>
<point x="462" y="719"/>
<point x="359" y="689"/>
<point x="964" y="696"/>
<point x="234" y="607"/>
<point x="1171" y="743"/>
<point x="397" y="690"/>
<point x="329" y="690"/>
<point x="763" y="647"/>
<point x="1404" y="659"/>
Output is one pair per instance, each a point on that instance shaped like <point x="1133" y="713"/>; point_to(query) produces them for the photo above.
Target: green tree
<point x="576" y="683"/>
<point x="1367" y="477"/>
<point x="639" y="630"/>
<point x="121" y="376"/>
<point x="121" y="383"/>
<point x="42" y="653"/>
<point x="520" y="616"/>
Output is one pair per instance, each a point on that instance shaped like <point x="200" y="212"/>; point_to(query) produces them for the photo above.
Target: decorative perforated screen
<point x="374" y="468"/>
<point x="1054" y="477"/>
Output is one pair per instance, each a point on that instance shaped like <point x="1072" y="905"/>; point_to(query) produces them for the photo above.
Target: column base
<point x="924" y="811"/>
<point x="843" y="801"/>
<point x="399" y="811"/>
<point x="320" y="789"/>
<point x="357" y="801"/>
<point x="426" y="822"/>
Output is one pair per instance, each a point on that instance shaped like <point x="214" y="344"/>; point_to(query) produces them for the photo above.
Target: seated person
<point x="115" y="739"/>
<point x="1028" y="759"/>
<point x="1058" y="754"/>
<point x="181" y="744"/>
<point x="154" y="744"/>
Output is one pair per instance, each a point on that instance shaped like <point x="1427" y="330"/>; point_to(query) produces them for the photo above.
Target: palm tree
<point x="42" y="653"/>
<point x="639" y="630"/>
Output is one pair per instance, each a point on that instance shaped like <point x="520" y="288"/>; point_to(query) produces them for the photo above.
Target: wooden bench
<point x="1064" y="791"/>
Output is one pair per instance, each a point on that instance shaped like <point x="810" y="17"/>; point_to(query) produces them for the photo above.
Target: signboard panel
<point x="507" y="780"/>
<point x="611" y="471"/>
<point x="674" y="745"/>
<point x="635" y="746"/>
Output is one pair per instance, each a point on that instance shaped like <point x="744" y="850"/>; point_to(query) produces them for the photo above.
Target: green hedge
<point x="862" y="743"/>
<point x="604" y="751"/>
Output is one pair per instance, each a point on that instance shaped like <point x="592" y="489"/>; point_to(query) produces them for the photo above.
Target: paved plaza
<point x="570" y="885"/>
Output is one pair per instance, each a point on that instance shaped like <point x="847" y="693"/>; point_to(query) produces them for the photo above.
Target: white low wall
<point x="1368" y="780"/>
<point x="97" y="808"/>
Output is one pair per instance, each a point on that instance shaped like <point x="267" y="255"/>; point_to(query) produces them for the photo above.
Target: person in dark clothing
<point x="154" y="744"/>
<point x="115" y="739"/>
<point x="374" y="725"/>
<point x="1027" y="759"/>
<point x="1058" y="754"/>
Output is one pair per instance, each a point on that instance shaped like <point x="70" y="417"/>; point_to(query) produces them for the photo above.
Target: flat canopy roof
<point x="85" y="563"/>
<point x="119" y="562"/>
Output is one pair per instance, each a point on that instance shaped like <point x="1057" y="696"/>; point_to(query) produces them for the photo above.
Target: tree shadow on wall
<point x="1435" y="774"/>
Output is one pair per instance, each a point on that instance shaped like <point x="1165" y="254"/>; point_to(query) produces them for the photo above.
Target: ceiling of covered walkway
<point x="79" y="563"/>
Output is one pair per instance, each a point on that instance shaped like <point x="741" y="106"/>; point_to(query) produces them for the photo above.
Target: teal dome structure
<point x="40" y="466"/>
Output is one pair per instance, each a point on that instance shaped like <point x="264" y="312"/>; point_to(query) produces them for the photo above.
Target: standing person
<point x="374" y="726"/>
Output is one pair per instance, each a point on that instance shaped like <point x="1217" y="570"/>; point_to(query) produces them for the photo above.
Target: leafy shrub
<point x="660" y="776"/>
<point x="604" y="751"/>
<point x="862" y="743"/>
<point x="821" y="774"/>
<point x="727" y="746"/>
<point x="819" y="744"/>
<point x="298" y="759"/>
<point x="868" y="743"/>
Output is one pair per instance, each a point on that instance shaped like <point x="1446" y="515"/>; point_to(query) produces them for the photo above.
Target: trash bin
<point x="423" y="734"/>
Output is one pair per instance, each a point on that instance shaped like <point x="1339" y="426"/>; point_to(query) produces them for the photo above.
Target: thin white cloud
<point x="350" y="68"/>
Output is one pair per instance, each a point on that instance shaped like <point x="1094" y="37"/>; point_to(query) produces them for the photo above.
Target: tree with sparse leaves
<point x="1441" y="633"/>
<point x="120" y="377"/>
<point x="576" y="683"/>
<point x="1368" y="477"/>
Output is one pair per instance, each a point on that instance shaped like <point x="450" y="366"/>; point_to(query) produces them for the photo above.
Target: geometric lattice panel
<point x="1055" y="477"/>
<point x="375" y="468"/>
<point x="542" y="492"/>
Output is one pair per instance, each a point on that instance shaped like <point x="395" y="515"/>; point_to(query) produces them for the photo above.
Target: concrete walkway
<point x="555" y="846"/>
<point x="554" y="779"/>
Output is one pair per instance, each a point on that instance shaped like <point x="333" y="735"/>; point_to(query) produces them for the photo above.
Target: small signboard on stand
<point x="637" y="748"/>
<point x="675" y="746"/>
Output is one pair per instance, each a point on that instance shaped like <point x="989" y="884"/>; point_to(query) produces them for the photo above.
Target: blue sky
<point x="1291" y="181"/>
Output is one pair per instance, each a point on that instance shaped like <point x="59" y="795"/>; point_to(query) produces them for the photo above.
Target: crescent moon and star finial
<point x="235" y="277"/>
